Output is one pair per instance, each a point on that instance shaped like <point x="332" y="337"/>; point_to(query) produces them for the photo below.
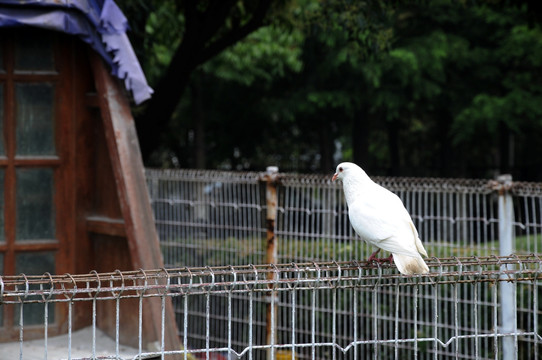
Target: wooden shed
<point x="73" y="196"/>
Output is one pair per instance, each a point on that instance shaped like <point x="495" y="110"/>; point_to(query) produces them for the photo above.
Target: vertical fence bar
<point x="293" y="315"/>
<point x="334" y="323"/>
<point x="94" y="328"/>
<point x="495" y="305"/>
<point x="506" y="247"/>
<point x="375" y="320"/>
<point x="230" y="315"/>
<point x="270" y="179"/>
<point x="313" y="319"/>
<point x="140" y="326"/>
<point x="117" y="326"/>
<point x="207" y="325"/>
<point x="185" y="326"/>
<point x="162" y="325"/>
<point x="355" y="325"/>
<point x="21" y="327"/>
<point x="456" y="321"/>
<point x="70" y="312"/>
<point x="45" y="327"/>
<point x="250" y="326"/>
<point x="435" y="320"/>
<point x="396" y="331"/>
<point x="416" y="290"/>
<point x="273" y="323"/>
<point x="476" y="339"/>
<point x="535" y="315"/>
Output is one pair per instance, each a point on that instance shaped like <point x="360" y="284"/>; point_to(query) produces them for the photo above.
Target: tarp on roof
<point x="99" y="23"/>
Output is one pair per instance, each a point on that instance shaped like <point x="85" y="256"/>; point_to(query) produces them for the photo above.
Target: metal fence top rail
<point x="202" y="175"/>
<point x="483" y="186"/>
<point x="261" y="278"/>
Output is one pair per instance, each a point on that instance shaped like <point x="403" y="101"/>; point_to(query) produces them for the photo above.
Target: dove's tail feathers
<point x="420" y="247"/>
<point x="410" y="265"/>
<point x="419" y="244"/>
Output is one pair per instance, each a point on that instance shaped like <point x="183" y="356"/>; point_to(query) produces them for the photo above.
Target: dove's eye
<point x="340" y="169"/>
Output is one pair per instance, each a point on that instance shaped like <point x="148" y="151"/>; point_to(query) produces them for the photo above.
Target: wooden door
<point x="35" y="111"/>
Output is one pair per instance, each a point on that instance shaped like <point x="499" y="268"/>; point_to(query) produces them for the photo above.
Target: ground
<point x="57" y="347"/>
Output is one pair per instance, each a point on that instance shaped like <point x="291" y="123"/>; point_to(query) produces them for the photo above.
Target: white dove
<point x="379" y="217"/>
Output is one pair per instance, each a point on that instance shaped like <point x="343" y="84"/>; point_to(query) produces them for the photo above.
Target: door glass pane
<point x="2" y="152"/>
<point x="34" y="263"/>
<point x="35" y="119"/>
<point x="35" y="208"/>
<point x="2" y="232"/>
<point x="34" y="51"/>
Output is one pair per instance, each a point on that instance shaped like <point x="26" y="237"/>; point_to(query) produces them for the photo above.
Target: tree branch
<point x="200" y="28"/>
<point x="216" y="15"/>
<point x="236" y="34"/>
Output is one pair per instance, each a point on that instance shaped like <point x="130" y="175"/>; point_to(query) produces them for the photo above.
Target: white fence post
<point x="507" y="247"/>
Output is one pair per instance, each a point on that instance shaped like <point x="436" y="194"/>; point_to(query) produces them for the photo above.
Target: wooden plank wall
<point x="131" y="188"/>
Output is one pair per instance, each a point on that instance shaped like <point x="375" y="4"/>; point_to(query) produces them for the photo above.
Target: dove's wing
<point x="382" y="220"/>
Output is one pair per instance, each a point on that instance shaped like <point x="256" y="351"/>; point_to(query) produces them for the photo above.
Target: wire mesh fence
<point x="324" y="301"/>
<point x="215" y="218"/>
<point x="207" y="218"/>
<point x="225" y="220"/>
<point x="327" y="314"/>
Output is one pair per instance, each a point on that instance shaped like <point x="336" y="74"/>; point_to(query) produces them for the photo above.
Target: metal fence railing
<point x="266" y="266"/>
<point x="217" y="218"/>
<point x="327" y="315"/>
<point x="214" y="218"/>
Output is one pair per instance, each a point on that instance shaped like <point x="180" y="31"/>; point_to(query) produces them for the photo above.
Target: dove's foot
<point x="389" y="259"/>
<point x="374" y="259"/>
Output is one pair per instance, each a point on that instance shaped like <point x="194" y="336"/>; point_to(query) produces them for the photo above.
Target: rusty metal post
<point x="271" y="181"/>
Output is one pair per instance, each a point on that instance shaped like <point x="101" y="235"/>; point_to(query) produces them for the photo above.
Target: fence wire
<point x="327" y="317"/>
<point x="218" y="218"/>
<point x="207" y="218"/>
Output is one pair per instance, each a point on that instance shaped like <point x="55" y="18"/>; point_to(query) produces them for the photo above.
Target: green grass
<point x="233" y="251"/>
<point x="523" y="245"/>
<point x="528" y="244"/>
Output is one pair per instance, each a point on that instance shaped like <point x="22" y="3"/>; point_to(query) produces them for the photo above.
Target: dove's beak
<point x="335" y="176"/>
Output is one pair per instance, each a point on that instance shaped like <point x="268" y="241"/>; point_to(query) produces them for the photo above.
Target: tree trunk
<point x="505" y="149"/>
<point x="360" y="138"/>
<point x="159" y="109"/>
<point x="200" y="43"/>
<point x="445" y="157"/>
<point x="393" y="143"/>
<point x="199" y="126"/>
<point x="326" y="153"/>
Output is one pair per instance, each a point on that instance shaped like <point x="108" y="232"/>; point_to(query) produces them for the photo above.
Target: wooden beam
<point x="134" y="199"/>
<point x="106" y="226"/>
<point x="91" y="100"/>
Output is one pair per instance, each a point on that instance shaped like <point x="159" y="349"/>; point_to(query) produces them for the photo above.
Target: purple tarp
<point x="100" y="23"/>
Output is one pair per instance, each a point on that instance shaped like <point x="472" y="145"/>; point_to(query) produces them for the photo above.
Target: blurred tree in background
<point x="412" y="88"/>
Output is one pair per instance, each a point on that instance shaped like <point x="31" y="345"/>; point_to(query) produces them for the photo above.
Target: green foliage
<point x="485" y="80"/>
<point x="266" y="55"/>
<point x="514" y="102"/>
<point x="439" y="86"/>
<point x="156" y="29"/>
